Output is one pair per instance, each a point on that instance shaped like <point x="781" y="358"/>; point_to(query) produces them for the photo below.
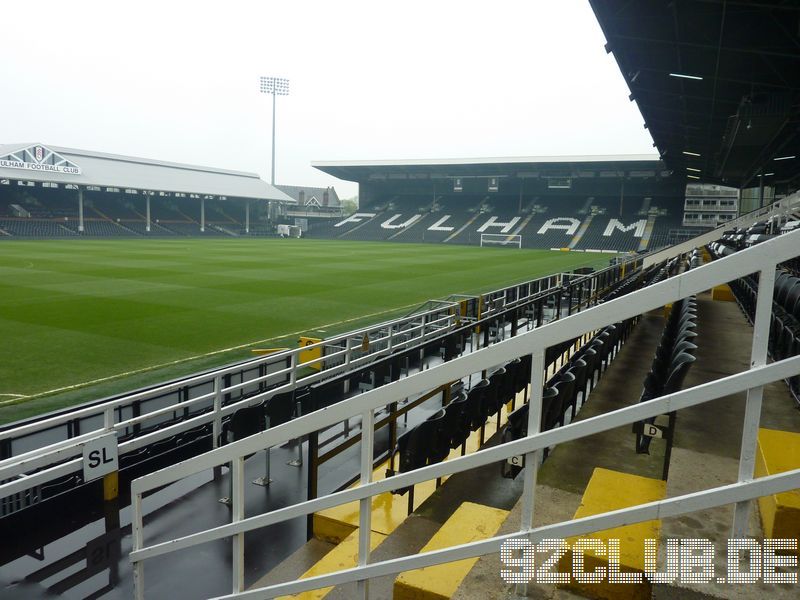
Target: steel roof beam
<point x="709" y="47"/>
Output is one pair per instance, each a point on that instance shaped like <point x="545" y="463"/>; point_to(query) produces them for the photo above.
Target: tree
<point x="350" y="205"/>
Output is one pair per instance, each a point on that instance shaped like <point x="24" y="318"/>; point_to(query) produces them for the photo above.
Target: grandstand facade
<point x="603" y="203"/>
<point x="47" y="191"/>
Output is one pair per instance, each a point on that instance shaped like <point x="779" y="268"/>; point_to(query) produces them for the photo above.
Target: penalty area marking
<point x="17" y="397"/>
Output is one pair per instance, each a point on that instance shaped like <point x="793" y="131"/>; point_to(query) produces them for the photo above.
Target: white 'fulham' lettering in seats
<point x="638" y="227"/>
<point x="438" y="225"/>
<point x="388" y="224"/>
<point x="569" y="226"/>
<point x="355" y="218"/>
<point x="504" y="227"/>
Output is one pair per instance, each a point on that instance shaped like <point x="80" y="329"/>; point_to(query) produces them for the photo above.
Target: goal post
<point x="501" y="239"/>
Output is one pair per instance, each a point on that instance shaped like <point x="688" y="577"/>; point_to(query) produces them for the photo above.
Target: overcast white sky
<point x="178" y="81"/>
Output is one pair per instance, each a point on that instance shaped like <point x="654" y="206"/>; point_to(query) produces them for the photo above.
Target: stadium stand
<point x="98" y="228"/>
<point x="578" y="222"/>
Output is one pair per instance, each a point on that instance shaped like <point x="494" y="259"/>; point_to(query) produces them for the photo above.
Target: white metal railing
<point x="762" y="258"/>
<point x="780" y="207"/>
<point x="284" y="370"/>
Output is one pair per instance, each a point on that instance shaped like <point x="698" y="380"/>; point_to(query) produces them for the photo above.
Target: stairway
<point x="581" y="230"/>
<point x="648" y="232"/>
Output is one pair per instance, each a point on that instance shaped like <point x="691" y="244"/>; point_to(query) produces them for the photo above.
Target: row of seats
<point x="784" y="338"/>
<point x="432" y="440"/>
<point x="254" y="419"/>
<point x="568" y="390"/>
<point x="673" y="357"/>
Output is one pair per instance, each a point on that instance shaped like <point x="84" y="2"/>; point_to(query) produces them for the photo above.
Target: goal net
<point x="501" y="239"/>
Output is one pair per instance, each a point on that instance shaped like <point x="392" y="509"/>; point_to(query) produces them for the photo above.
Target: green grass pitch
<point x="78" y="311"/>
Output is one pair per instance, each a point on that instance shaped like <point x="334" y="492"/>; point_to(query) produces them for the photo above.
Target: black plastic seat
<point x="516" y="428"/>
<point x="474" y="416"/>
<point x="792" y="297"/>
<point x="578" y="369"/>
<point x="566" y="389"/>
<point x="551" y="404"/>
<point x="279" y="409"/>
<point x="783" y="282"/>
<point x="437" y="424"/>
<point x="508" y="386"/>
<point x="589" y="356"/>
<point x="523" y="374"/>
<point x="415" y="445"/>
<point x="245" y="422"/>
<point x="679" y="367"/>
<point x="492" y="398"/>
<point x="454" y="423"/>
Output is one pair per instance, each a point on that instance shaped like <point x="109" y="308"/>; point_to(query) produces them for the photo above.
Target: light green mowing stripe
<point x="77" y="311"/>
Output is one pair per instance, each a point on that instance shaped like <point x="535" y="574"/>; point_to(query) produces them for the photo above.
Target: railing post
<point x="293" y="367"/>
<point x="217" y="424"/>
<point x="237" y="504"/>
<point x="534" y="426"/>
<point x="365" y="505"/>
<point x="752" y="411"/>
<point x="137" y="529"/>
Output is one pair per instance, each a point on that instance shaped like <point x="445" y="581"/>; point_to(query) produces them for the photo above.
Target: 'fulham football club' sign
<point x="39" y="158"/>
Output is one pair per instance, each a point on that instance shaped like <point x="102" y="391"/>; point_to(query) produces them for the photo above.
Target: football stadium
<point x="567" y="376"/>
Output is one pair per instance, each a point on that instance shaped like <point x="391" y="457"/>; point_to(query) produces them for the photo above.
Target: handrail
<point x="762" y="258"/>
<point x="781" y="206"/>
<point x="742" y="491"/>
<point x="617" y="418"/>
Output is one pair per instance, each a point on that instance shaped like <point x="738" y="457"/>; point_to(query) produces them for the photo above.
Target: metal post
<point x="297" y="462"/>
<point x="216" y="427"/>
<point x="137" y="529"/>
<point x="80" y="210"/>
<point x="202" y="214"/>
<point x="752" y="412"/>
<point x="217" y="424"/>
<point x="265" y="480"/>
<point x="237" y="501"/>
<point x="534" y="426"/>
<point x="247" y="216"/>
<point x="147" y="227"/>
<point x="761" y="189"/>
<point x="311" y="478"/>
<point x="273" y="136"/>
<point x="365" y="504"/>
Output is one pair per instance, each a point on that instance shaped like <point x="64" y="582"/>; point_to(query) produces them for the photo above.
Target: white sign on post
<point x="100" y="457"/>
<point x="516" y="461"/>
<point x="652" y="431"/>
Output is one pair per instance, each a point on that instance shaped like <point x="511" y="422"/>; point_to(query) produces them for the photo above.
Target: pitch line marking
<point x="18" y="397"/>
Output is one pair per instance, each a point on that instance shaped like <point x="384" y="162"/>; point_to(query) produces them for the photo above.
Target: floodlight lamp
<point x="692" y="169"/>
<point x="785" y="157"/>
<point x="277" y="86"/>
<point x="687" y="153"/>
